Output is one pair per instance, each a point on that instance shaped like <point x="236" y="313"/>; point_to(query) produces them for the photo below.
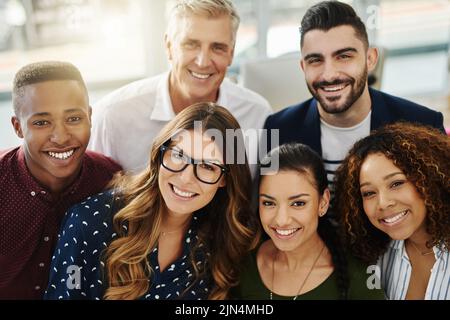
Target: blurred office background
<point x="114" y="42"/>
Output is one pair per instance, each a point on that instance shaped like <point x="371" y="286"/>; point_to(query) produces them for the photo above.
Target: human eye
<point x="40" y="123"/>
<point x="344" y="56"/>
<point x="313" y="60"/>
<point x="206" y="166"/>
<point x="397" y="184"/>
<point x="298" y="203"/>
<point x="220" y="47"/>
<point x="189" y="44"/>
<point x="367" y="193"/>
<point x="74" y="119"/>
<point x="267" y="203"/>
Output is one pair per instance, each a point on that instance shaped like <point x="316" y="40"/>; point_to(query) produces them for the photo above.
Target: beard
<point x="328" y="105"/>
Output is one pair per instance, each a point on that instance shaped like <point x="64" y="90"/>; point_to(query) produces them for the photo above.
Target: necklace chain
<point x="418" y="250"/>
<point x="304" y="280"/>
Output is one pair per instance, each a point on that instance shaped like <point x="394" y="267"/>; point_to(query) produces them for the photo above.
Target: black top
<point x="77" y="269"/>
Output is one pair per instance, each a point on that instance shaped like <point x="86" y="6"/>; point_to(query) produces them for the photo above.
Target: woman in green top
<point x="304" y="257"/>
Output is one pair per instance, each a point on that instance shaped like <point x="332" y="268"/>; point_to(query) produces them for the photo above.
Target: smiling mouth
<point x="201" y="76"/>
<point x="61" y="155"/>
<point x="181" y="193"/>
<point x="285" y="232"/>
<point x="394" y="219"/>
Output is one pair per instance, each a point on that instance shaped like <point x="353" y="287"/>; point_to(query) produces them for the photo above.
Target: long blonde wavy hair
<point x="229" y="230"/>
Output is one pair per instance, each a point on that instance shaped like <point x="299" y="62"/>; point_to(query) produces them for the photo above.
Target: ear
<point x="17" y="127"/>
<point x="302" y="64"/>
<point x="222" y="182"/>
<point x="232" y="56"/>
<point x="90" y="115"/>
<point x="372" y="58"/>
<point x="168" y="45"/>
<point x="324" y="202"/>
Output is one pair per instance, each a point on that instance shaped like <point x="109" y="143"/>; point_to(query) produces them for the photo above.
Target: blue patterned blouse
<point x="77" y="269"/>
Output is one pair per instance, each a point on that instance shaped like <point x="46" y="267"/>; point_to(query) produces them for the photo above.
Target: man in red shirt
<point x="50" y="172"/>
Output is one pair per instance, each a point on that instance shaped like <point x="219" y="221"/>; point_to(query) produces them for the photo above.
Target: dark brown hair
<point x="423" y="154"/>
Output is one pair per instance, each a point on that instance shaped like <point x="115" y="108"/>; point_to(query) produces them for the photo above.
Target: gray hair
<point x="207" y="8"/>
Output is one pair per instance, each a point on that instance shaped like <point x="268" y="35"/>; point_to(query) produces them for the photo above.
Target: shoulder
<point x="8" y="156"/>
<point x="364" y="282"/>
<point x="102" y="163"/>
<point x="131" y="95"/>
<point x="240" y="94"/>
<point x="407" y="110"/>
<point x="289" y="115"/>
<point x="94" y="215"/>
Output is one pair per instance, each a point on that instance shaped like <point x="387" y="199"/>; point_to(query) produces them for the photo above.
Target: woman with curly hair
<point x="304" y="258"/>
<point x="178" y="230"/>
<point x="392" y="194"/>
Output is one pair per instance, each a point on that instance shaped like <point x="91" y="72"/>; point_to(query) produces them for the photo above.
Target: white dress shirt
<point x="396" y="273"/>
<point x="126" y="121"/>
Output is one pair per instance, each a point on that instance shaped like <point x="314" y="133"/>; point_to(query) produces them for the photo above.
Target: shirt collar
<point x="163" y="108"/>
<point x="400" y="246"/>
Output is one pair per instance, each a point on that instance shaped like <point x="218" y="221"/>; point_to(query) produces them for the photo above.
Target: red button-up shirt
<point x="30" y="218"/>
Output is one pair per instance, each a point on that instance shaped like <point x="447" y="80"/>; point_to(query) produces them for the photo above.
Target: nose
<point x="203" y="58"/>
<point x="187" y="175"/>
<point x="282" y="216"/>
<point x="329" y="72"/>
<point x="60" y="135"/>
<point x="385" y="201"/>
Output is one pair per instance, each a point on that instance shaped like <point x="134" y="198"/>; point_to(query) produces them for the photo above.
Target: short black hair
<point x="41" y="72"/>
<point x="330" y="14"/>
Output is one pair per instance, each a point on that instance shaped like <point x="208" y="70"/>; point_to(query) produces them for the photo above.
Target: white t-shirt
<point x="126" y="121"/>
<point x="337" y="141"/>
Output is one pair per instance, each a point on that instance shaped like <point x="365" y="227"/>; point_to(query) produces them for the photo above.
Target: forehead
<point x="377" y="165"/>
<point x="198" y="145"/>
<point x="327" y="42"/>
<point x="205" y="29"/>
<point x="53" y="96"/>
<point x="287" y="183"/>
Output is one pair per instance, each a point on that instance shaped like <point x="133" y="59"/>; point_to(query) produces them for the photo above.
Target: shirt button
<point x="37" y="288"/>
<point x="41" y="264"/>
<point x="33" y="193"/>
<point x="46" y="239"/>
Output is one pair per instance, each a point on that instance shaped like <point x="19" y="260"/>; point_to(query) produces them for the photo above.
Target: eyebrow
<point x="385" y="178"/>
<point x="45" y="114"/>
<point x="216" y="161"/>
<point x="334" y="54"/>
<point x="290" y="198"/>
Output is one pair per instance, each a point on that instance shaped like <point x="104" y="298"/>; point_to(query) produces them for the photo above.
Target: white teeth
<point x="333" y="89"/>
<point x="395" y="218"/>
<point x="183" y="193"/>
<point x="285" y="232"/>
<point x="61" y="155"/>
<point x="200" y="76"/>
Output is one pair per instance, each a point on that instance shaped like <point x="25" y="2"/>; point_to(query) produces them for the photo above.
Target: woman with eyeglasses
<point x="178" y="230"/>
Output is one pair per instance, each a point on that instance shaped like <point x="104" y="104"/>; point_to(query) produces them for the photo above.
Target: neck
<point x="302" y="255"/>
<point x="354" y="115"/>
<point x="175" y="222"/>
<point x="420" y="239"/>
<point x="181" y="101"/>
<point x="54" y="184"/>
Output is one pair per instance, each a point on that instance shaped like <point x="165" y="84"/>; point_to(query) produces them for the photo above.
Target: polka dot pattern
<point x="87" y="231"/>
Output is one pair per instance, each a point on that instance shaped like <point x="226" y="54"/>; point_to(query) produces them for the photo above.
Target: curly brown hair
<point x="423" y="154"/>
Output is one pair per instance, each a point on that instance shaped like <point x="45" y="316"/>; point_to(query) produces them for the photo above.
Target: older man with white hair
<point x="200" y="41"/>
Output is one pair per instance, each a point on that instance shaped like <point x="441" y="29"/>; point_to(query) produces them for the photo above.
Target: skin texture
<point x="336" y="63"/>
<point x="199" y="59"/>
<point x="54" y="116"/>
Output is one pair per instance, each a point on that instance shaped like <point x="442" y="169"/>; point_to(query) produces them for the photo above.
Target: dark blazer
<point x="301" y="123"/>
